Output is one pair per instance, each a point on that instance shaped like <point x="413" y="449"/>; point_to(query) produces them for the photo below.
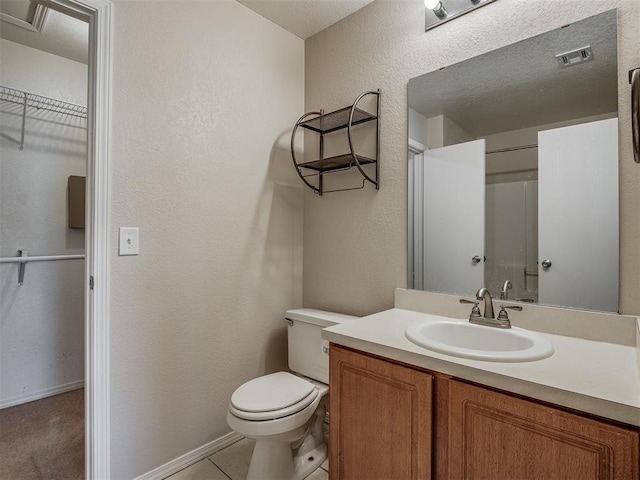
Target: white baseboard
<point x="40" y="394"/>
<point x="189" y="458"/>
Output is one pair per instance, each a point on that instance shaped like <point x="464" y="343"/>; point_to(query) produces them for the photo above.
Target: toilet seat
<point x="274" y="414"/>
<point x="272" y="396"/>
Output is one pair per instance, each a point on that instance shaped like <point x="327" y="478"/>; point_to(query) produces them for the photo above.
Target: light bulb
<point x="431" y="4"/>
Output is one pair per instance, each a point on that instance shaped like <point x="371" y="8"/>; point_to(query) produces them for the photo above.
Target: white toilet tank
<point x="306" y="355"/>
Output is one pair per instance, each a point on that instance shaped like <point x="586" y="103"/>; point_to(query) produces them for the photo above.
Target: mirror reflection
<point x="513" y="171"/>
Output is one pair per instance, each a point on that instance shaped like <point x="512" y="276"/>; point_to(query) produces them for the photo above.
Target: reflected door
<point x="578" y="216"/>
<point x="453" y="208"/>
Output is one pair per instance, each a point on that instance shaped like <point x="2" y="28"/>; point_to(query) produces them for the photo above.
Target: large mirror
<point x="513" y="171"/>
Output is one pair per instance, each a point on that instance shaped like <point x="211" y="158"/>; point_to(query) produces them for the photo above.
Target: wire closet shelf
<point x="39" y="102"/>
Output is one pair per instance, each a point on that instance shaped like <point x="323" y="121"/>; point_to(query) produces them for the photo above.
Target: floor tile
<point x="325" y="465"/>
<point x="234" y="460"/>
<point x="203" y="470"/>
<point x="318" y="474"/>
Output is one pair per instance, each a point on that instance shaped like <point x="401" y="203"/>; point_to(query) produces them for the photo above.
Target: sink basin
<point x="464" y="339"/>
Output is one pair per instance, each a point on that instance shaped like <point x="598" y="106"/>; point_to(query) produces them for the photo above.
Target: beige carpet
<point x="43" y="440"/>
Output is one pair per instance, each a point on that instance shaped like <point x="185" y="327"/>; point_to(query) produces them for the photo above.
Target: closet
<point x="43" y="158"/>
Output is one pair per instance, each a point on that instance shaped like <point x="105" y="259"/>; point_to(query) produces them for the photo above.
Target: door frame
<point x="99" y="15"/>
<point x="415" y="231"/>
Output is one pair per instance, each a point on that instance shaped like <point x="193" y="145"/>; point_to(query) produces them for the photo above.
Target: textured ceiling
<point x="522" y="85"/>
<point x="305" y="18"/>
<point x="61" y="35"/>
<point x="68" y="37"/>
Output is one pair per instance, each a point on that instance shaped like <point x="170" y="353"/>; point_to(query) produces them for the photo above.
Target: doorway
<point x="97" y="14"/>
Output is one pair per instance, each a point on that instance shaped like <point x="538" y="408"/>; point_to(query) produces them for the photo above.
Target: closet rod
<point x="23" y="258"/>
<point x="511" y="149"/>
<point x="41" y="258"/>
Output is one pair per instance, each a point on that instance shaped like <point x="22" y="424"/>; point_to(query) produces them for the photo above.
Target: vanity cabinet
<point x="380" y="419"/>
<point x="498" y="436"/>
<point x="392" y="421"/>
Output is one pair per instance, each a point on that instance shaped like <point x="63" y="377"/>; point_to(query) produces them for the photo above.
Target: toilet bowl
<point x="284" y="413"/>
<point x="288" y="429"/>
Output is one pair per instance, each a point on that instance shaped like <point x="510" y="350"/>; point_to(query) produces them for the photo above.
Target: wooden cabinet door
<point x="380" y="419"/>
<point x="495" y="436"/>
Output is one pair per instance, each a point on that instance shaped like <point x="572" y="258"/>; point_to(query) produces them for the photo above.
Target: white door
<point x="454" y="188"/>
<point x="578" y="216"/>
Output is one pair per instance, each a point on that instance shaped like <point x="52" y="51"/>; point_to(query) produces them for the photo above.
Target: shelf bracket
<point x="376" y="182"/>
<point x="22" y="267"/>
<point x="293" y="151"/>
<point x="24" y="122"/>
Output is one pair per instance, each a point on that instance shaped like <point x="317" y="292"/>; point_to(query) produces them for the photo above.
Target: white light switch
<point x="128" y="244"/>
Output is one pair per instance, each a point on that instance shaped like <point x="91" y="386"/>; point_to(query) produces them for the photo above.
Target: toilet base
<point x="306" y="464"/>
<point x="275" y="461"/>
<point x="277" y="458"/>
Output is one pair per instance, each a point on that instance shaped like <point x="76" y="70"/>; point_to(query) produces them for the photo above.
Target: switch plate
<point x="129" y="241"/>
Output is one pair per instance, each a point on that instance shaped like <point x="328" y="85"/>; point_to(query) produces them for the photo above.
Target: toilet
<point x="284" y="412"/>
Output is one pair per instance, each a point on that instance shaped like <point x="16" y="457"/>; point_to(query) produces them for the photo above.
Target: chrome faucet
<point x="504" y="293"/>
<point x="488" y="319"/>
<point x="483" y="294"/>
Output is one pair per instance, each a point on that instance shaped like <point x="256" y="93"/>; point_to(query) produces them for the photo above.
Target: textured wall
<point x="205" y="94"/>
<point x="42" y="321"/>
<point x="355" y="242"/>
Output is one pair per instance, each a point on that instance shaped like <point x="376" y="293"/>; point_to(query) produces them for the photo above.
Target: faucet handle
<point x="511" y="307"/>
<point x="503" y="315"/>
<point x="475" y="311"/>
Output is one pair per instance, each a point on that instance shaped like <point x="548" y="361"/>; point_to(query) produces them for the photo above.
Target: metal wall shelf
<point x="331" y="122"/>
<point x="335" y="163"/>
<point x="325" y="123"/>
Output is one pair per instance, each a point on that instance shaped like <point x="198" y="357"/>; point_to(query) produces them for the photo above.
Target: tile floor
<point x="232" y="463"/>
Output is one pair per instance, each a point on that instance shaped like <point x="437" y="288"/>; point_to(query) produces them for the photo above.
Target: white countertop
<point x="595" y="377"/>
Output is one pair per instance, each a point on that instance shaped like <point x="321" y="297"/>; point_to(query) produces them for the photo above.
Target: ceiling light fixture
<point x="436" y="14"/>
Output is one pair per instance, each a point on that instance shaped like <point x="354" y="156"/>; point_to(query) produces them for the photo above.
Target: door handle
<point x="634" y="80"/>
<point x="546" y="263"/>
<point x="476" y="260"/>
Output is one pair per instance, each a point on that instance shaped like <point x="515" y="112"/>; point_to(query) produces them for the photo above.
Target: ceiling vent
<point x="574" y="57"/>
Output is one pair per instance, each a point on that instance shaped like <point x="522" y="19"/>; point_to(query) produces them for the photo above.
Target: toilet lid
<point x="275" y="414"/>
<point x="271" y="392"/>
